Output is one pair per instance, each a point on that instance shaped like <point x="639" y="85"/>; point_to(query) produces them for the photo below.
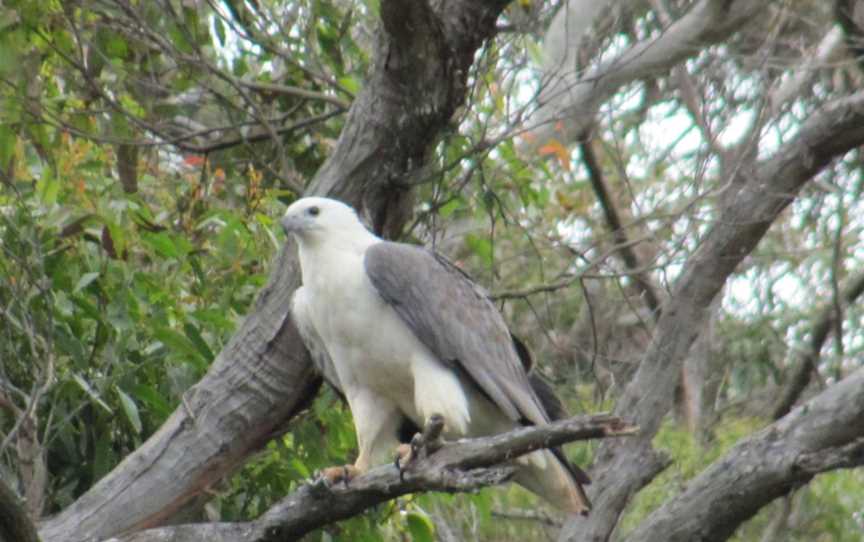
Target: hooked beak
<point x="294" y="224"/>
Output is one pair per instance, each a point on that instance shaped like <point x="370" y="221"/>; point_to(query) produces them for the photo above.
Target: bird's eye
<point x="314" y="211"/>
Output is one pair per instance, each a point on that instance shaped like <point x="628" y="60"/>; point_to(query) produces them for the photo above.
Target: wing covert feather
<point x="455" y="319"/>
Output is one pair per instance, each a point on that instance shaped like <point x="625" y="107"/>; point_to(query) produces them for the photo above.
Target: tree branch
<point x="824" y="434"/>
<point x="808" y="360"/>
<point x="290" y="90"/>
<point x="807" y="69"/>
<point x="569" y="102"/>
<point x="566" y="280"/>
<point x="768" y="190"/>
<point x="465" y="465"/>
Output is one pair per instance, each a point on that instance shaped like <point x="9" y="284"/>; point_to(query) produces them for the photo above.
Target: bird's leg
<point x="422" y="444"/>
<point x="375" y="419"/>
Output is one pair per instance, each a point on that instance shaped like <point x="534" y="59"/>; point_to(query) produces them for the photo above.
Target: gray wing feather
<point x="454" y="318"/>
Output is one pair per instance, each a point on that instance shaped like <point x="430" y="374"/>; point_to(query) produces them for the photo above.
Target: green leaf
<point x="88" y="389"/>
<point x="220" y="30"/>
<point x="85" y="280"/>
<point x="351" y="84"/>
<point x="153" y="400"/>
<point x="70" y="344"/>
<point x="420" y="527"/>
<point x="88" y="308"/>
<point x="450" y="207"/>
<point x="162" y="243"/>
<point x="200" y="344"/>
<point x="482" y="247"/>
<point x="12" y="45"/>
<point x="116" y="46"/>
<point x="178" y="37"/>
<point x="48" y="187"/>
<point x="130" y="409"/>
<point x="118" y="236"/>
<point x="7" y="145"/>
<point x="131" y="105"/>
<point x="180" y="344"/>
<point x="301" y="468"/>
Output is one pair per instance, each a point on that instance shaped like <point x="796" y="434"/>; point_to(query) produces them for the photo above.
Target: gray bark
<point x="264" y="376"/>
<point x="824" y="434"/>
<point x="765" y="193"/>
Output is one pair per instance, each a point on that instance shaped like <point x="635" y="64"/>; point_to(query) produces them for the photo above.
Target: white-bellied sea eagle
<point x="407" y="335"/>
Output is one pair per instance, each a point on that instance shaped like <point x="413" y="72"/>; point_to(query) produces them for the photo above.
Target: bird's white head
<point x="324" y="220"/>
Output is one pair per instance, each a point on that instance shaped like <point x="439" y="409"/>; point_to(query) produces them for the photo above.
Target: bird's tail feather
<point x="556" y="480"/>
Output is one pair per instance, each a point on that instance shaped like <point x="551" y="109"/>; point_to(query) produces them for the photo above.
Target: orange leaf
<point x="193" y="160"/>
<point x="554" y="147"/>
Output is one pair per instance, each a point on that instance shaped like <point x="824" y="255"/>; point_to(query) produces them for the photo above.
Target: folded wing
<point x="455" y="319"/>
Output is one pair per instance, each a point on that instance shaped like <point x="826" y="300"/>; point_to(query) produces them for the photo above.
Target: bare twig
<point x="568" y="280"/>
<point x="290" y="90"/>
<point x="619" y="234"/>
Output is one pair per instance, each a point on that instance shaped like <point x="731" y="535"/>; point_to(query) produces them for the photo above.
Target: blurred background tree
<point x="148" y="148"/>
